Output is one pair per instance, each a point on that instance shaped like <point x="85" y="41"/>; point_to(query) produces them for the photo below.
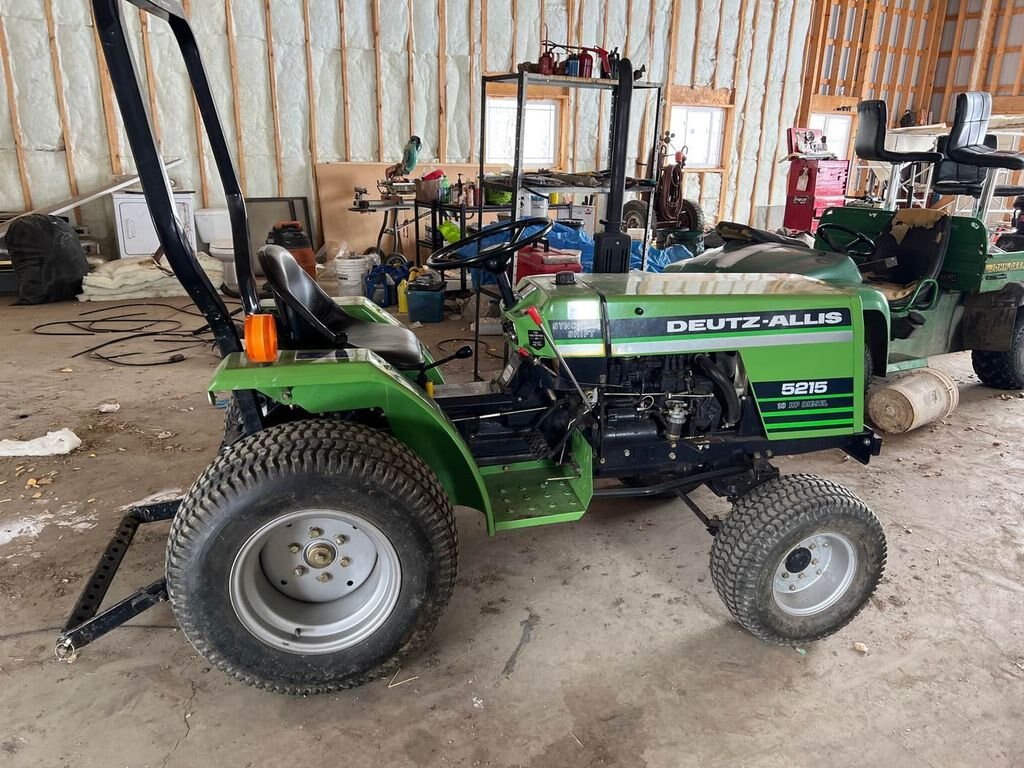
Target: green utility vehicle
<point x="319" y="547"/>
<point x="929" y="283"/>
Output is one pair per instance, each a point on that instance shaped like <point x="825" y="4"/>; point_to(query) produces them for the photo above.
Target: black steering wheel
<point x="493" y="258"/>
<point x="823" y="230"/>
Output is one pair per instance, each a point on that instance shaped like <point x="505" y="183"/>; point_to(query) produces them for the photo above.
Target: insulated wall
<point x="300" y="82"/>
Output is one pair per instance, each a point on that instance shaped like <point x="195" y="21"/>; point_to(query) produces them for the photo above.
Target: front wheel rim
<point x="315" y="581"/>
<point x="815" y="574"/>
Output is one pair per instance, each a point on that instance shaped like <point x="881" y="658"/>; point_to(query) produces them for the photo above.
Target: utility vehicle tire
<point x="634" y="215"/>
<point x="312" y="556"/>
<point x="694" y="215"/>
<point x="1003" y="370"/>
<point x="797" y="559"/>
<point x="232" y="424"/>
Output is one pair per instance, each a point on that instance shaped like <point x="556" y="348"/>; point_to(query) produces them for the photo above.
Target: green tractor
<point x="929" y="283"/>
<point x="319" y="548"/>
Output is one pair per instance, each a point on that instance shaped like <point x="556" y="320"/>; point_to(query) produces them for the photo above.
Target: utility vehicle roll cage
<point x="86" y="623"/>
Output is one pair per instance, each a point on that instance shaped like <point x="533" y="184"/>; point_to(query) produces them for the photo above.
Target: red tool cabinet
<point x="814" y="185"/>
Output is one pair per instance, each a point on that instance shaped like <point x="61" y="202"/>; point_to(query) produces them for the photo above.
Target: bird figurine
<point x="408" y="162"/>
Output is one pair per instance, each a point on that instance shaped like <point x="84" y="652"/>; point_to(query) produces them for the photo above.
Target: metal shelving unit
<point x="523" y="81"/>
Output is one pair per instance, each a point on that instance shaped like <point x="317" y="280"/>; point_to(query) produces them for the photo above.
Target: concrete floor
<point x="625" y="656"/>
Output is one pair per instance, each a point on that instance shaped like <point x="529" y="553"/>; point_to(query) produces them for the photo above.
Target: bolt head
<point x="345" y="562"/>
<point x="672" y="456"/>
<point x="339" y="539"/>
<point x="626" y="452"/>
<point x="294" y="548"/>
<point x="315" y="533"/>
<point x="814" y="561"/>
<point x="299" y="570"/>
<point x="812" y="545"/>
<point x="324" y="577"/>
<point x="792" y="587"/>
<point x="818" y="572"/>
<point x="785" y="575"/>
<point x="826" y="545"/>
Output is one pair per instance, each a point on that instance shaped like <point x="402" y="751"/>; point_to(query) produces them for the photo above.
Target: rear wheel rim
<point x="315" y="581"/>
<point x="815" y="574"/>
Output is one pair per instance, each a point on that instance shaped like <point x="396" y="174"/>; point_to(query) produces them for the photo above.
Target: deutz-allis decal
<point x="732" y="323"/>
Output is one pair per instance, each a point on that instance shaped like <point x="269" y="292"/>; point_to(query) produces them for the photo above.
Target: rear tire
<point x="384" y="575"/>
<point x="769" y="566"/>
<point x="634" y="215"/>
<point x="1003" y="370"/>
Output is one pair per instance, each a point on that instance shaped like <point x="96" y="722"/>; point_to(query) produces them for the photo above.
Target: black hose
<point x="725" y="387"/>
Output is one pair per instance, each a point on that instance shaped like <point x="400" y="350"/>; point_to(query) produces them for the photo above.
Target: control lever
<point x="534" y="315"/>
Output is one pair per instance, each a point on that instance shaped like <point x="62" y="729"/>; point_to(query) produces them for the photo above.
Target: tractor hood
<point x="740" y="256"/>
<point x="644" y="313"/>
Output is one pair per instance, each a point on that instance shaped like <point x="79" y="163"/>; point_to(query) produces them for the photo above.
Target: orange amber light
<point x="260" y="338"/>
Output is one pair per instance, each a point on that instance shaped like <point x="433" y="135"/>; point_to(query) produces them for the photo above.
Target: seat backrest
<point x="305" y="308"/>
<point x="918" y="239"/>
<point x="970" y="123"/>
<point x="872" y="118"/>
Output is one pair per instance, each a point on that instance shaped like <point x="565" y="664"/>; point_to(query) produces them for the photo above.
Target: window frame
<point x="542" y="93"/>
<point x="726" y="124"/>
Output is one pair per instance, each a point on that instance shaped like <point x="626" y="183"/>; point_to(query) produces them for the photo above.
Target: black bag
<point x="47" y="257"/>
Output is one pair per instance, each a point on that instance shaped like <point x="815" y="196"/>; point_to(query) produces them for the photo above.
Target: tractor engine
<point x="650" y="403"/>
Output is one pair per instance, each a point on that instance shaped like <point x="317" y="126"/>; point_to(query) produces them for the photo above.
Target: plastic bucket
<point x="350" y="271"/>
<point x="912" y="401"/>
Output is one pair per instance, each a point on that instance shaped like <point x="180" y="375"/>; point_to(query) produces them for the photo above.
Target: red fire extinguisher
<point x="586" y="63"/>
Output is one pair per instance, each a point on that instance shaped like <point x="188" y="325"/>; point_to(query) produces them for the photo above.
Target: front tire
<point x="797" y="559"/>
<point x="312" y="556"/>
<point x="1003" y="370"/>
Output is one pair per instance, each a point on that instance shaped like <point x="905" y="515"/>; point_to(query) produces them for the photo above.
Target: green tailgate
<point x="800" y="339"/>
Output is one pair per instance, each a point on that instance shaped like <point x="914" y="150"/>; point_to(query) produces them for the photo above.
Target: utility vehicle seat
<point x="916" y="239"/>
<point x="310" y="317"/>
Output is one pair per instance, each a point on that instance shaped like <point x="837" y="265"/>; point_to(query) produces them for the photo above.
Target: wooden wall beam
<point x="790" y="47"/>
<point x="762" y="160"/>
<point x="107" y="99"/>
<point x="868" y="31"/>
<point x="577" y="91"/>
<point x="274" y="111"/>
<point x="910" y="56"/>
<point x="670" y="72"/>
<point x="992" y="74"/>
<point x="236" y="104"/>
<point x="837" y="49"/>
<point x="696" y="42"/>
<point x="473" y="85"/>
<point x="375" y="29"/>
<point x="515" y="33"/>
<point x="346" y="98"/>
<point x="314" y="144"/>
<point x="741" y="97"/>
<point x="151" y="85"/>
<point x="12" y="106"/>
<point x="442" y="81"/>
<point x="599" y="151"/>
<point x="813" y="57"/>
<point x="881" y="88"/>
<point x="642" y="148"/>
<point x="958" y="32"/>
<point x="410" y="65"/>
<point x="986" y="29"/>
<point x="62" y="105"/>
<point x="197" y="121"/>
<point x="926" y="75"/>
<point x="483" y="39"/>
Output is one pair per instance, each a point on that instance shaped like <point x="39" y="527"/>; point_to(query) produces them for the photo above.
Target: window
<point x="700" y="130"/>
<point x="834" y="127"/>
<point x="542" y="119"/>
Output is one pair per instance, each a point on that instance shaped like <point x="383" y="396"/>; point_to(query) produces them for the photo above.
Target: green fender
<point x="320" y="381"/>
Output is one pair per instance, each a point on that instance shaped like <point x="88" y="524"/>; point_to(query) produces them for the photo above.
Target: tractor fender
<point x="355" y="380"/>
<point x="989" y="318"/>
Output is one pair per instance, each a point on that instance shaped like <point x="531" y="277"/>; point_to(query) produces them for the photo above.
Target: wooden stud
<point x="673" y="43"/>
<point x="375" y="21"/>
<point x="600" y="98"/>
<point x="197" y="120"/>
<point x="274" y="111"/>
<point x="107" y="99"/>
<point x="696" y="42"/>
<point x="718" y="46"/>
<point x="986" y="25"/>
<point x="62" y="106"/>
<point x="764" y="111"/>
<point x="741" y="101"/>
<point x="236" y="105"/>
<point x="791" y="46"/>
<point x="926" y="80"/>
<point x="442" y="81"/>
<point x="857" y="61"/>
<point x="951" y="73"/>
<point x="543" y="13"/>
<point x="908" y="57"/>
<point x="577" y="92"/>
<point x="314" y="150"/>
<point x="884" y="50"/>
<point x="515" y="34"/>
<point x="813" y="58"/>
<point x="12" y="106"/>
<point x="410" y="58"/>
<point x="472" y="85"/>
<point x="993" y="74"/>
<point x="344" y="83"/>
<point x="730" y="122"/>
<point x="869" y="34"/>
<point x="837" y="49"/>
<point x="641" y="139"/>
<point x="151" y="84"/>
<point x="483" y="39"/>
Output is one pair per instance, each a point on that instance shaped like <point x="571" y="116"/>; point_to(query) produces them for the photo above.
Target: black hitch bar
<point x="86" y="622"/>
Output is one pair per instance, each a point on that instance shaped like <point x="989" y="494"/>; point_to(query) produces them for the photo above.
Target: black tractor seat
<point x="311" y="319"/>
<point x="872" y="122"/>
<point x="968" y="145"/>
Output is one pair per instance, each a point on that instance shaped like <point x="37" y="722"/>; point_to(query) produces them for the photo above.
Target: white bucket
<point x="911" y="401"/>
<point x="350" y="271"/>
<point x="539" y="206"/>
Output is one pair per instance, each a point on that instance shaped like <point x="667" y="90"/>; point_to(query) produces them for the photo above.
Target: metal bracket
<point x="712" y="524"/>
<point x="86" y="623"/>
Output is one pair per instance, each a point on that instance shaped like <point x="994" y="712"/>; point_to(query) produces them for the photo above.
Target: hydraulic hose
<point x="724" y="386"/>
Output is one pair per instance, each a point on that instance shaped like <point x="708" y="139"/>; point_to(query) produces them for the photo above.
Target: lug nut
<point x="800" y="575"/>
<point x="811" y="546"/>
<point x="339" y="539"/>
<point x="294" y="548"/>
<point x="818" y="572"/>
<point x="315" y="533"/>
<point x="814" y="562"/>
<point x="785" y="575"/>
<point x="345" y="562"/>
<point x="792" y="587"/>
<point x="323" y="577"/>
<point x="299" y="570"/>
<point x="825" y="545"/>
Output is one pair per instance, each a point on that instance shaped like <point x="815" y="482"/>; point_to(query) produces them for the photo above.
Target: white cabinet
<point x="136" y="235"/>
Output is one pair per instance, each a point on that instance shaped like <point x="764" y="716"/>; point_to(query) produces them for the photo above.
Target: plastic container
<point x="539" y="262"/>
<point x="350" y="271"/>
<point x="403" y="296"/>
<point x="426" y="306"/>
<point x="912" y="401"/>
